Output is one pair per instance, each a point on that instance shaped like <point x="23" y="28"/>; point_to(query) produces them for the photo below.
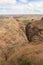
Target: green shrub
<point x="41" y="62"/>
<point x="2" y="62"/>
<point x="23" y="62"/>
<point x="25" y="21"/>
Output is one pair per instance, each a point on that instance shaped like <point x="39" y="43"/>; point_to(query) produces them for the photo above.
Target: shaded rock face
<point x="34" y="31"/>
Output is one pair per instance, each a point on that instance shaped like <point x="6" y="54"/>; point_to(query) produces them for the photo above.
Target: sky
<point x="21" y="6"/>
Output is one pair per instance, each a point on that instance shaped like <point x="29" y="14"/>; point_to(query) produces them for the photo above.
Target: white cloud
<point x="24" y="1"/>
<point x="18" y="8"/>
<point x="7" y="1"/>
<point x="36" y="7"/>
<point x="30" y="8"/>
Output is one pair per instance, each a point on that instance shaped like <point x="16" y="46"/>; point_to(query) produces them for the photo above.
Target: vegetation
<point x="25" y="21"/>
<point x="41" y="62"/>
<point x="22" y="61"/>
<point x="14" y="44"/>
<point x="2" y="62"/>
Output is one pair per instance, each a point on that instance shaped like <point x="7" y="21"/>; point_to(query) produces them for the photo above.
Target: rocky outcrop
<point x="34" y="31"/>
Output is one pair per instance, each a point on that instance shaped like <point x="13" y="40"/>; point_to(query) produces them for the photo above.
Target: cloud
<point x="30" y="8"/>
<point x="35" y="7"/>
<point x="18" y="8"/>
<point x="7" y="1"/>
<point x="24" y="1"/>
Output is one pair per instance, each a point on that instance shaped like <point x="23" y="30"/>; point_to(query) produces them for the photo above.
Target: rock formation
<point x="34" y="30"/>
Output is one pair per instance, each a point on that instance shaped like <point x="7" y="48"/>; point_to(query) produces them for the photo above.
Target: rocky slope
<point x="11" y="37"/>
<point x="14" y="46"/>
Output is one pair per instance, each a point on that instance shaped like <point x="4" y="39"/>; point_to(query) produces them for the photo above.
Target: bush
<point x="23" y="62"/>
<point x="25" y="21"/>
<point x="2" y="62"/>
<point x="41" y="62"/>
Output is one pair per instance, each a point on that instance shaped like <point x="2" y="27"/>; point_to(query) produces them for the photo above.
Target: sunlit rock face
<point x="12" y="37"/>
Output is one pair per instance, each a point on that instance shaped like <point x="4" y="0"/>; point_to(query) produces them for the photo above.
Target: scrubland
<point x="15" y="49"/>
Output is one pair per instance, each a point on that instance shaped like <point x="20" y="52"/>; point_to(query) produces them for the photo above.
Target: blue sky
<point x="21" y="6"/>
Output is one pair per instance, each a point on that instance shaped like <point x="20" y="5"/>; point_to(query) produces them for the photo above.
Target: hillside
<point x="15" y="49"/>
<point x="11" y="37"/>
